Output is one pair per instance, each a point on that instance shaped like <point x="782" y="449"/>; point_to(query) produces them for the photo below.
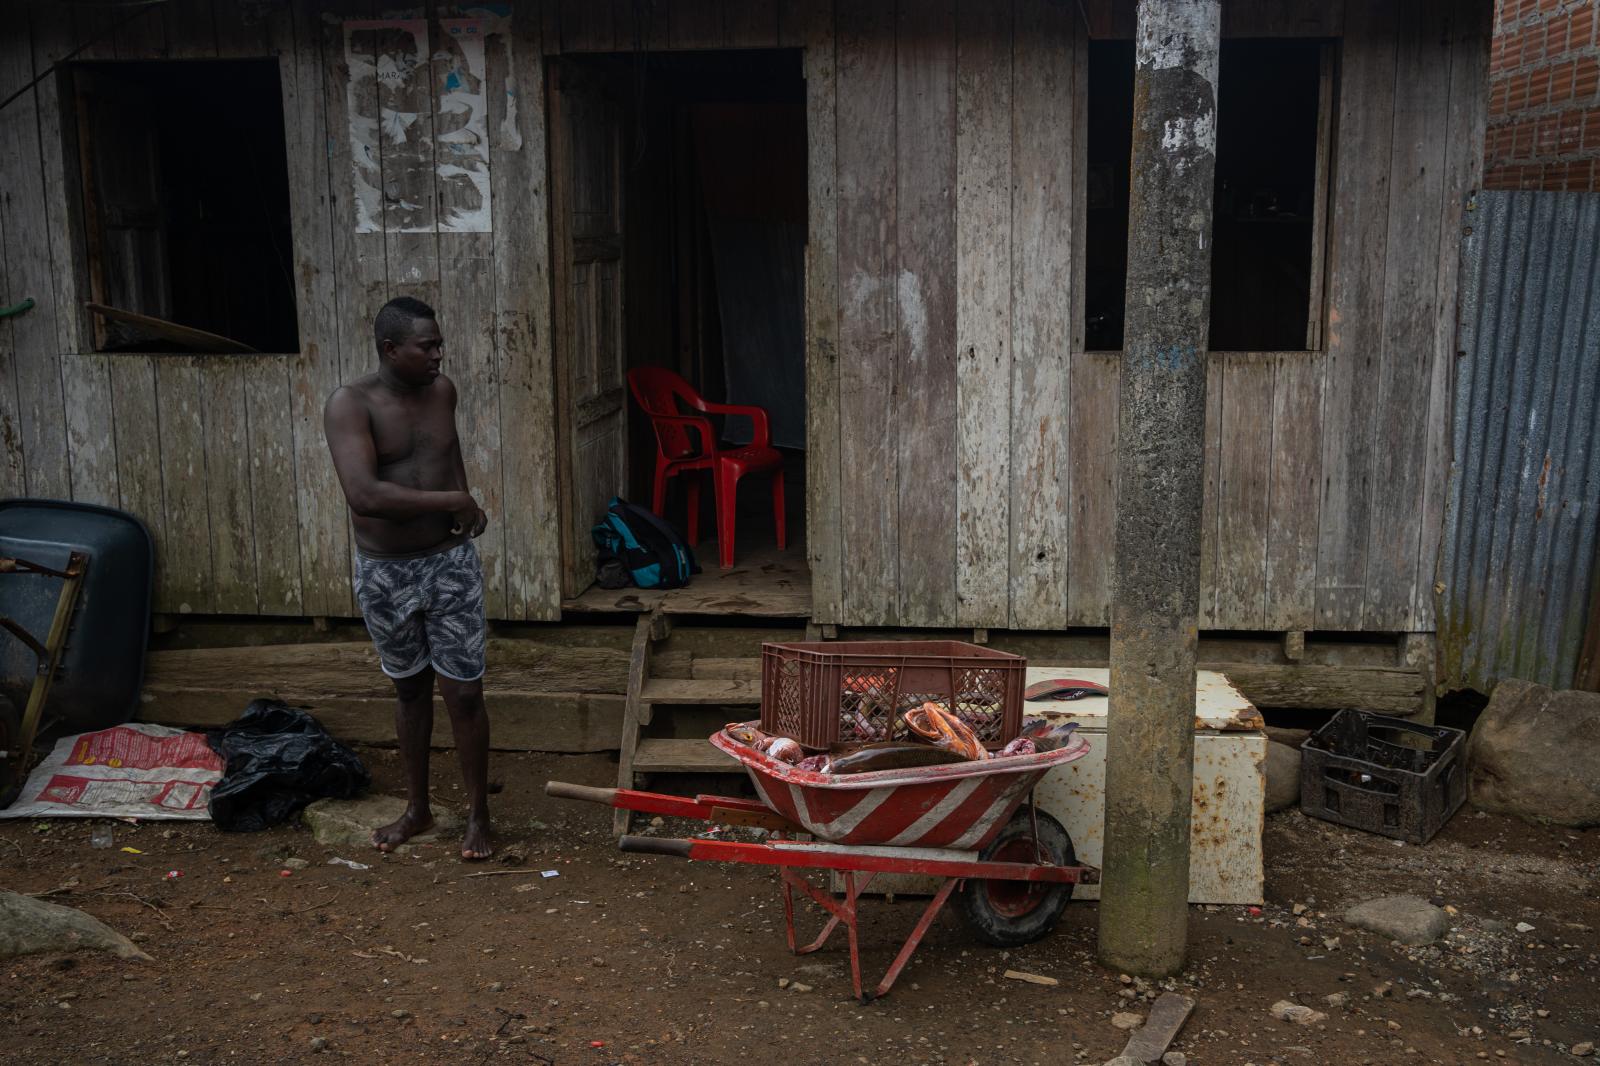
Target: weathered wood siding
<point x="223" y="456"/>
<point x="961" y="441"/>
<point x="1323" y="467"/>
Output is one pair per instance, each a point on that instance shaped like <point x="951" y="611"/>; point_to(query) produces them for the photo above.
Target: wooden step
<point x="681" y="757"/>
<point x="716" y="691"/>
<point x="725" y="669"/>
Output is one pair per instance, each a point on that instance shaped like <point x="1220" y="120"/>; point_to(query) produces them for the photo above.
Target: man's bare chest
<point x="413" y="438"/>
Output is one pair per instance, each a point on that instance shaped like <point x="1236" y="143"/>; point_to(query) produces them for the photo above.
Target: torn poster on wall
<point x="419" y="142"/>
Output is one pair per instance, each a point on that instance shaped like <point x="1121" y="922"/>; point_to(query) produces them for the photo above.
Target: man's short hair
<point x="396" y="320"/>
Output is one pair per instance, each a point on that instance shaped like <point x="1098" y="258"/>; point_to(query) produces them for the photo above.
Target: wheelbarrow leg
<point x="833" y="922"/>
<point x="841" y="913"/>
<point x="915" y="939"/>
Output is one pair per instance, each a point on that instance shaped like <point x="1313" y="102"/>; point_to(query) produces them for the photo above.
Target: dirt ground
<point x="640" y="959"/>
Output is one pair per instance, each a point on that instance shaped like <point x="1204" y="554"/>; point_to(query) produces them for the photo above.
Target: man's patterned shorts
<point x="425" y="610"/>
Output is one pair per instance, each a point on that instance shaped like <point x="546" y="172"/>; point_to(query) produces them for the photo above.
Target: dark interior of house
<point x="185" y="198"/>
<point x="1261" y="266"/>
<point x="716" y="228"/>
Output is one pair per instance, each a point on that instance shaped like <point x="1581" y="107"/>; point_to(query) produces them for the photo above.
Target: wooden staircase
<point x="710" y="682"/>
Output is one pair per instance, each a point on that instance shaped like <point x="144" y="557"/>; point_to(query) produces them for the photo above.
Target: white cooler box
<point x="1229" y="785"/>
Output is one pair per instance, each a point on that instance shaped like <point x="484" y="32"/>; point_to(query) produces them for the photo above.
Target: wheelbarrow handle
<point x="585" y="793"/>
<point x="678" y="849"/>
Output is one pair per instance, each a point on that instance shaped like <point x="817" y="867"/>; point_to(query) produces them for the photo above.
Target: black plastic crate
<point x="1384" y="775"/>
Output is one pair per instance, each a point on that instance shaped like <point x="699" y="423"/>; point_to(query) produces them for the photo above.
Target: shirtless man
<point x="417" y="574"/>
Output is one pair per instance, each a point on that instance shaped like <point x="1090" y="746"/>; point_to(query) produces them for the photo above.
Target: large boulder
<point x="29" y="926"/>
<point x="1283" y="776"/>
<point x="1535" y="753"/>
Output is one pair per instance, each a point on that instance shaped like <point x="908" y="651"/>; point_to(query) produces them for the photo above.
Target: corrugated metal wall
<point x="1518" y="554"/>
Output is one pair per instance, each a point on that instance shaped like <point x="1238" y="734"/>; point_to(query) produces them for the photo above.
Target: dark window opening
<point x="185" y="205"/>
<point x="1264" y="227"/>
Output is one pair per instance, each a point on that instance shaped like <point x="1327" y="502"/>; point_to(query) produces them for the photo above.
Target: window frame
<point x="88" y="329"/>
<point x="1330" y="53"/>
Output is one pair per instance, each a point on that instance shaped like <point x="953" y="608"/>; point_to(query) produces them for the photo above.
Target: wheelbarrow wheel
<point x="10" y="739"/>
<point x="1008" y="914"/>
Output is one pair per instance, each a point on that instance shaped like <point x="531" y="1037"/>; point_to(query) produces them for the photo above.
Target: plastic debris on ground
<point x="278" y="759"/>
<point x="133" y="770"/>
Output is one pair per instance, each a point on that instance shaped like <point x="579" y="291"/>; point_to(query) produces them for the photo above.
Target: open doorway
<point x="679" y="223"/>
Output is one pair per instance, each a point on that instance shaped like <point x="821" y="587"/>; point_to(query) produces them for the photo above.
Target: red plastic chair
<point x="665" y="396"/>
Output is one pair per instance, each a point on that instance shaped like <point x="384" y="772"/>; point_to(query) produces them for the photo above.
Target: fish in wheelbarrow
<point x="1045" y="734"/>
<point x="892" y="755"/>
<point x="944" y="730"/>
<point x="781" y="748"/>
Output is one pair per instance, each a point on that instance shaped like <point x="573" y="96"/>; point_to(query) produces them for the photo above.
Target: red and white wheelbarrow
<point x="1014" y="867"/>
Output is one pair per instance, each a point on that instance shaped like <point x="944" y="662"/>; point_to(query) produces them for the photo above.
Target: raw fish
<point x="894" y="755"/>
<point x="944" y="730"/>
<point x="1020" y="746"/>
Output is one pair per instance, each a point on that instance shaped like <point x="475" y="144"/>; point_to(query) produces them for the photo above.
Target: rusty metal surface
<point x="1518" y="548"/>
<point x="1229" y="805"/>
<point x="1218" y="702"/>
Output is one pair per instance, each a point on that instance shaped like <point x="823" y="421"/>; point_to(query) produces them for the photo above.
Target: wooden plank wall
<point x="961" y="442"/>
<point x="1304" y="528"/>
<point x="223" y="456"/>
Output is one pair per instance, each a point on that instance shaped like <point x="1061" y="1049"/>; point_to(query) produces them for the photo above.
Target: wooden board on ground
<point x="1167" y="1016"/>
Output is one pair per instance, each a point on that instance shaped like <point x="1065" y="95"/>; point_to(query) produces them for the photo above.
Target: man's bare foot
<point x="475" y="843"/>
<point x="402" y="829"/>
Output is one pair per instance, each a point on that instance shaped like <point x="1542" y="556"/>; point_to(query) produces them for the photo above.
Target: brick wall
<point x="1544" y="96"/>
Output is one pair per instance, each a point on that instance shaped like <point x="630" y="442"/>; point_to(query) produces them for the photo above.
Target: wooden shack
<point x="558" y="179"/>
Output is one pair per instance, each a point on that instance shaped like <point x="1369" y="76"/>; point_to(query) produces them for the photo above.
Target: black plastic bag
<point x="277" y="759"/>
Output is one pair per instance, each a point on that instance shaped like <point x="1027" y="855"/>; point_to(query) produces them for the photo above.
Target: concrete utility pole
<point x="1144" y="912"/>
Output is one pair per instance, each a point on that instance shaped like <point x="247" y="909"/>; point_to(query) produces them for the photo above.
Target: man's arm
<point x="479" y="521"/>
<point x="355" y="457"/>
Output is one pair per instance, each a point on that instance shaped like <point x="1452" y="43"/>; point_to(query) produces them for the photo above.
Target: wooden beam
<point x="1393" y="691"/>
<point x="635" y="714"/>
<point x="563" y="722"/>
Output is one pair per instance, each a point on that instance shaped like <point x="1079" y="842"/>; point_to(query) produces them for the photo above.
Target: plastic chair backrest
<point x="657" y="390"/>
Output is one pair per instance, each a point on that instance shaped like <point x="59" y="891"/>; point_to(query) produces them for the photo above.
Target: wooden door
<point x="586" y="164"/>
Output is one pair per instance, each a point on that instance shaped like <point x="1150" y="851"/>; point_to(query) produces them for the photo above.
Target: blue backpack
<point x="637" y="547"/>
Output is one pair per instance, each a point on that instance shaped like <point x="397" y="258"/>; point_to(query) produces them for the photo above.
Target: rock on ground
<point x="1533" y="754"/>
<point x="348" y="823"/>
<point x="29" y="926"/>
<point x="1127" y="1020"/>
<point x="1283" y="776"/>
<point x="1283" y="1010"/>
<point x="1407" y="919"/>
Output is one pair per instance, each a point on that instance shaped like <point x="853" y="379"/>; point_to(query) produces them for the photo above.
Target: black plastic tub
<point x="102" y="668"/>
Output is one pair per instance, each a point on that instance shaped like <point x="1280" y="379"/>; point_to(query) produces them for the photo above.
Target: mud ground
<point x="625" y="959"/>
